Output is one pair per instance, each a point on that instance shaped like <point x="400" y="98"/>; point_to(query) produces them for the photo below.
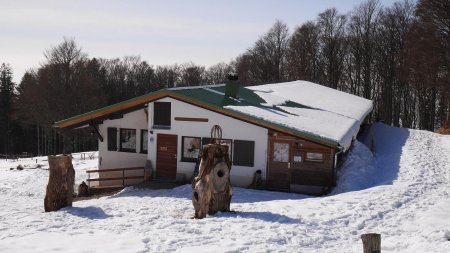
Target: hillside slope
<point x="402" y="192"/>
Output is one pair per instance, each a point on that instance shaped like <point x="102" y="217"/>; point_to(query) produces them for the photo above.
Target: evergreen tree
<point x="6" y="103"/>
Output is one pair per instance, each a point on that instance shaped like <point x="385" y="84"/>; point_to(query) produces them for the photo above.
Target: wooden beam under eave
<point x="96" y="132"/>
<point x="191" y="119"/>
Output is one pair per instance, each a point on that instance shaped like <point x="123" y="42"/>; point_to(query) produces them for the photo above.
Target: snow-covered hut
<point x="292" y="132"/>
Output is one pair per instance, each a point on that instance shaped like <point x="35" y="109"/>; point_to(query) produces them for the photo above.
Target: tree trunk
<point x="371" y="243"/>
<point x="212" y="188"/>
<point x="60" y="183"/>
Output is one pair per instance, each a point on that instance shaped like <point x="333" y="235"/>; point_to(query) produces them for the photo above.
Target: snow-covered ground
<point x="402" y="192"/>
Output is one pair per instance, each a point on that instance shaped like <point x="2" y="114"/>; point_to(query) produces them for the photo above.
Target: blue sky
<point x="161" y="32"/>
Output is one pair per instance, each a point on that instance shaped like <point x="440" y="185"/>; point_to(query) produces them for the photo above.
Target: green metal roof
<point x="211" y="96"/>
<point x="245" y="97"/>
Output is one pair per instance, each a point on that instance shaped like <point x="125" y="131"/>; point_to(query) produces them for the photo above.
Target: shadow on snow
<point x="240" y="195"/>
<point x="388" y="152"/>
<point x="264" y="216"/>
<point x="90" y="212"/>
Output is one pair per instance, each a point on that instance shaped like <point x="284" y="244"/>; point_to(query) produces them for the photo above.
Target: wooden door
<point x="296" y="164"/>
<point x="279" y="175"/>
<point x="166" y="156"/>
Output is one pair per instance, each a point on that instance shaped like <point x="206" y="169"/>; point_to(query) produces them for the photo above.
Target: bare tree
<point x="167" y="76"/>
<point x="361" y="47"/>
<point x="394" y="23"/>
<point x="218" y="73"/>
<point x="303" y="53"/>
<point x="332" y="38"/>
<point x="266" y="60"/>
<point x="192" y="75"/>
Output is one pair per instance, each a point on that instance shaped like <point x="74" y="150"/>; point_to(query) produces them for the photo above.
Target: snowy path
<point x="402" y="193"/>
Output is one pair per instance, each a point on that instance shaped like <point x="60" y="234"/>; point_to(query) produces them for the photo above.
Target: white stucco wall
<point x="116" y="159"/>
<point x="232" y="129"/>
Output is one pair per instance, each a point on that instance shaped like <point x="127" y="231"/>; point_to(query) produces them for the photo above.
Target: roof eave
<point x="85" y="118"/>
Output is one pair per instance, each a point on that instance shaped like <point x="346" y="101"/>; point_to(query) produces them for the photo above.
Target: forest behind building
<point x="398" y="56"/>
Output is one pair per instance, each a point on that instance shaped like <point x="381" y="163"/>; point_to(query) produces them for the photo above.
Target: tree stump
<point x="212" y="190"/>
<point x="60" y="183"/>
<point x="371" y="243"/>
<point x="83" y="190"/>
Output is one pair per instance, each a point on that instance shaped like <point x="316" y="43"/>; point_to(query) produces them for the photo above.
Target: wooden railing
<point x="16" y="156"/>
<point x="122" y="177"/>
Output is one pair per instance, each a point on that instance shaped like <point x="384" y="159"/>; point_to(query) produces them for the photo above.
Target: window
<point x="190" y="147"/>
<point x="161" y="115"/>
<point x="314" y="157"/>
<point x="280" y="152"/>
<point x="112" y="139"/>
<point x="128" y="140"/>
<point x="144" y="141"/>
<point x="244" y="153"/>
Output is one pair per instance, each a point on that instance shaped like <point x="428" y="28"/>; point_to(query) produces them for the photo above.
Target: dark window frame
<point x="109" y="131"/>
<point x="142" y="141"/>
<point x="158" y="117"/>
<point x="129" y="150"/>
<point x="245" y="163"/>
<point x="190" y="159"/>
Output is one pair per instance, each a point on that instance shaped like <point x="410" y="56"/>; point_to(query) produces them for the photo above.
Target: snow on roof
<point x="317" y="110"/>
<point x="315" y="96"/>
<point x="320" y="123"/>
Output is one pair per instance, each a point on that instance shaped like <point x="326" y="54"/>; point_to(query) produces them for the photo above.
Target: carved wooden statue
<point x="212" y="190"/>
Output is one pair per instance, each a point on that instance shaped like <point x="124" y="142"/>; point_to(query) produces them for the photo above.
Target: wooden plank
<point x="191" y="119"/>
<point x="115" y="178"/>
<point x="120" y="169"/>
<point x="319" y="178"/>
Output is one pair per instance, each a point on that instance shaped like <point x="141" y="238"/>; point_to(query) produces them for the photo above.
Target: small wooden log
<point x="212" y="188"/>
<point x="371" y="243"/>
<point x="60" y="183"/>
<point x="257" y="180"/>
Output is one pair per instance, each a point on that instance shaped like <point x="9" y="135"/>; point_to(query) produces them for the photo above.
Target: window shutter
<point x="162" y="113"/>
<point x="244" y="153"/>
<point x="112" y="139"/>
<point x="144" y="141"/>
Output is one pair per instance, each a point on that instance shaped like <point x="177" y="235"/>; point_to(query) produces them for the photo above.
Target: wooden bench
<point x="122" y="177"/>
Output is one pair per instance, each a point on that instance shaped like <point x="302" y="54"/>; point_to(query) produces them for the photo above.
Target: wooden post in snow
<point x="371" y="243"/>
<point x="212" y="188"/>
<point x="60" y="183"/>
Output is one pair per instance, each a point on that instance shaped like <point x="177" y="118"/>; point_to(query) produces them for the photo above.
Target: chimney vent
<point x="232" y="86"/>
